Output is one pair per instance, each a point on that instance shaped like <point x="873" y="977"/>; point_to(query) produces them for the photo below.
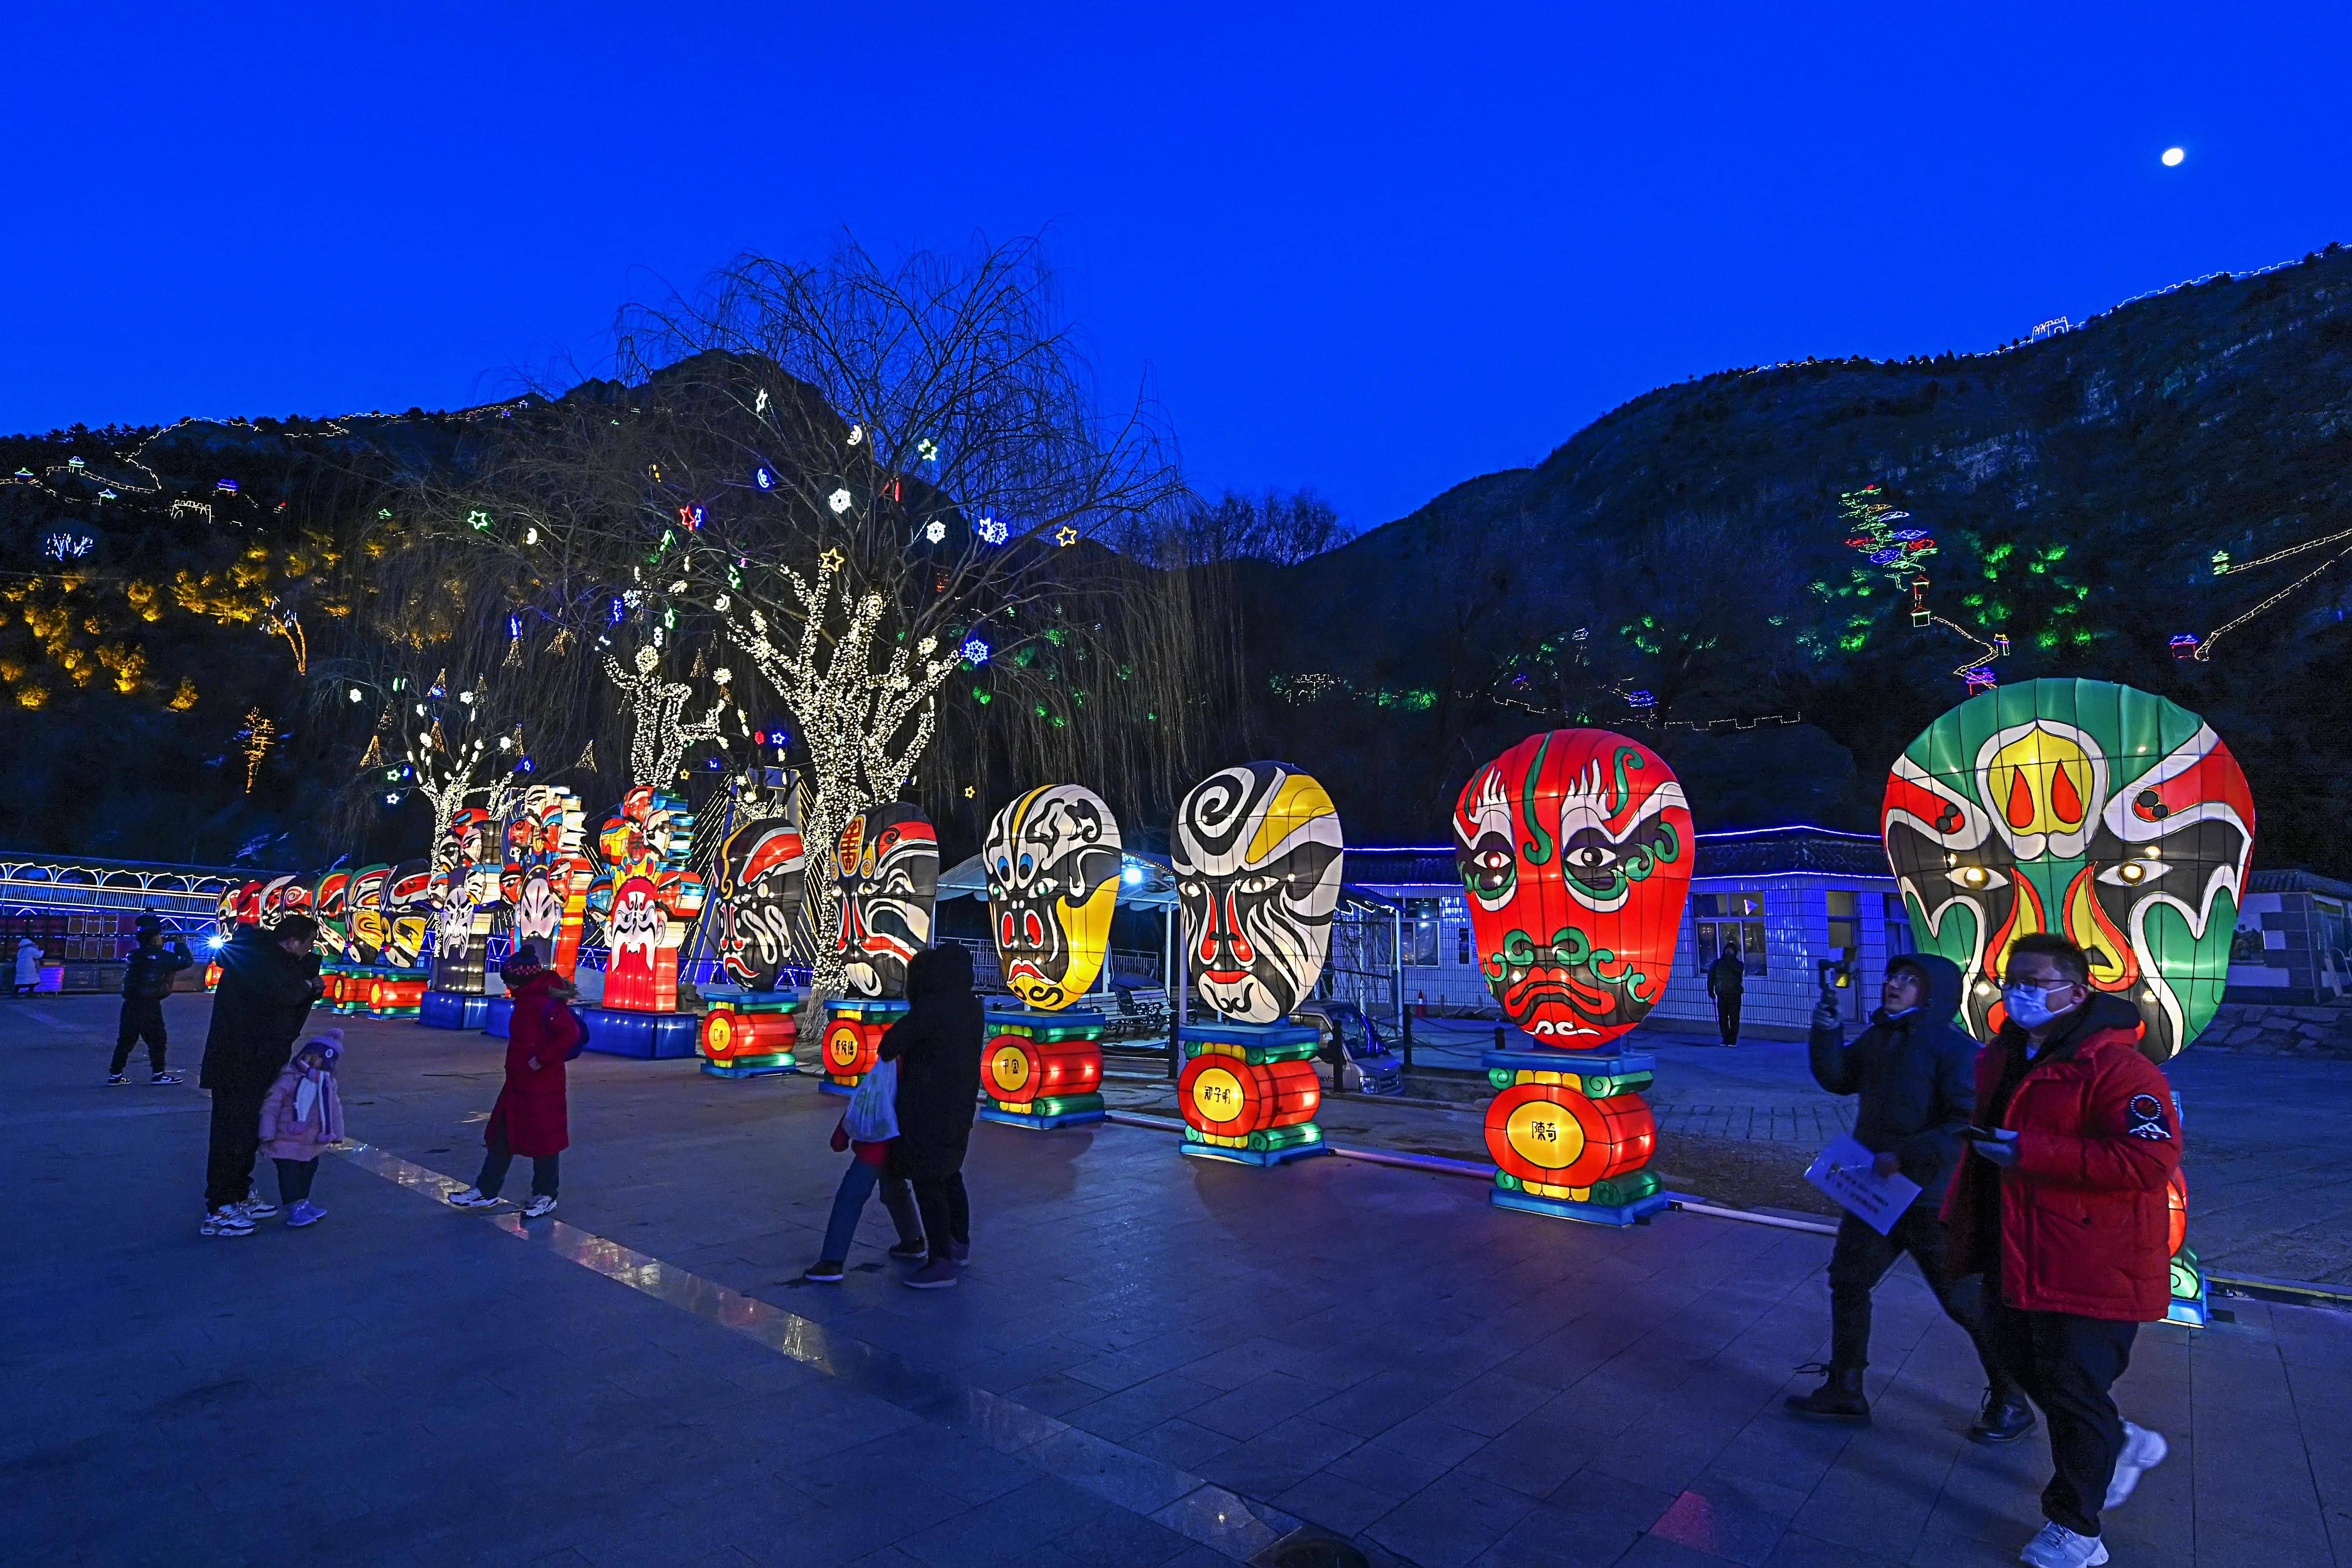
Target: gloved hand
<point x="1825" y="1015"/>
<point x="2001" y="1148"/>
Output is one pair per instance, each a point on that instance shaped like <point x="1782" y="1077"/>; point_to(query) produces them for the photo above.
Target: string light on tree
<point x="661" y="735"/>
<point x="258" y="735"/>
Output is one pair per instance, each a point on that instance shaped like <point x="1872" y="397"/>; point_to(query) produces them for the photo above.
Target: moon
<point x="2172" y="156"/>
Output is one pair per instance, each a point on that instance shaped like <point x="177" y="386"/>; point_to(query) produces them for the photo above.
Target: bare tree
<point x="867" y="477"/>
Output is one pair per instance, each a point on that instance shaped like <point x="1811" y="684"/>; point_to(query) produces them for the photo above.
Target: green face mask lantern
<point x="2112" y="816"/>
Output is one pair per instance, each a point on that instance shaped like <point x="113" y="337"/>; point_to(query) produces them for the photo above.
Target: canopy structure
<point x="1145" y="881"/>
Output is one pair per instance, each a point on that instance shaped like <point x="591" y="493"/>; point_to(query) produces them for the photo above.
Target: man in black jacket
<point x="1727" y="977"/>
<point x="269" y="980"/>
<point x="936" y="1047"/>
<point x="146" y="981"/>
<point x="1914" y="1068"/>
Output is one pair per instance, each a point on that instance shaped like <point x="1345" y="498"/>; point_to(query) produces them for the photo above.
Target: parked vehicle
<point x="1373" y="1064"/>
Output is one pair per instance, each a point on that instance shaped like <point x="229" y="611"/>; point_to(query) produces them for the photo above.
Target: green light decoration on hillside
<point x="2110" y="815"/>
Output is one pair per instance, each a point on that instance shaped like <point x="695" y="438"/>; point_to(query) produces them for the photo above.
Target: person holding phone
<point x="2062" y="1209"/>
<point x="1914" y="1069"/>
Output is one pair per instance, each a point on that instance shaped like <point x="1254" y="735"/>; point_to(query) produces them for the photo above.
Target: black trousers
<point x="236" y="1140"/>
<point x="499" y="1156"/>
<point x="2066" y="1365"/>
<point x="947" y="1212"/>
<point x="1727" y="1016"/>
<point x="294" y="1179"/>
<point x="1861" y="1260"/>
<point x="143" y="1018"/>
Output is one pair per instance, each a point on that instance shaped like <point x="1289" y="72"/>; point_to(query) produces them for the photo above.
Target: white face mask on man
<point x="2029" y="1005"/>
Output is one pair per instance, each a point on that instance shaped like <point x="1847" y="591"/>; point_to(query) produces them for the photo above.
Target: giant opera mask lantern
<point x="647" y="897"/>
<point x="1258" y="859"/>
<point x="1575" y="848"/>
<point x="763" y="877"/>
<point x="887" y="869"/>
<point x="546" y="874"/>
<point x="2107" y="814"/>
<point x="1052" y="859"/>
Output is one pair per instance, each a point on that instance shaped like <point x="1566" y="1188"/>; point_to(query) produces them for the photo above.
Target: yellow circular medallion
<point x="1010" y="1065"/>
<point x="1545" y="1134"/>
<point x="841" y="1048"/>
<point x="1217" y="1095"/>
<point x="718" y="1036"/>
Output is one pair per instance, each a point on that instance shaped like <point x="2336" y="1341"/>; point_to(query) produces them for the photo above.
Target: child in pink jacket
<point x="301" y="1116"/>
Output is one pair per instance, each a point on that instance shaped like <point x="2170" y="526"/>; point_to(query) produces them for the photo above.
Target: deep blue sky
<point x="1375" y="249"/>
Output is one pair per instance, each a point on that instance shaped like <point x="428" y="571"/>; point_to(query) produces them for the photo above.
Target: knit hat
<point x="327" y="1045"/>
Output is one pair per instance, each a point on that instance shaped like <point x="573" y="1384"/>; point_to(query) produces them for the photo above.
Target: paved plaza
<point x="1150" y="1361"/>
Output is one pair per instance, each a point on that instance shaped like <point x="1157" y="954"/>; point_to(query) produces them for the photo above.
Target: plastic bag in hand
<point x="872" y="1113"/>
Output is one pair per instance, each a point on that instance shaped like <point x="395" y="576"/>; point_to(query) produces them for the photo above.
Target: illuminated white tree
<point x="661" y="734"/>
<point x="866" y="720"/>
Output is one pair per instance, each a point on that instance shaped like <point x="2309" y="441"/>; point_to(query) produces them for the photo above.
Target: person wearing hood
<point x="28" y="966"/>
<point x="936" y="1046"/>
<point x="2062" y="1208"/>
<point x="147" y="979"/>
<point x="269" y="981"/>
<point x="531" y="1115"/>
<point x="1914" y="1069"/>
<point x="301" y="1119"/>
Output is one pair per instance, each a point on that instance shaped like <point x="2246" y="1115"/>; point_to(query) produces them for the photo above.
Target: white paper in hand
<point x="1843" y="1171"/>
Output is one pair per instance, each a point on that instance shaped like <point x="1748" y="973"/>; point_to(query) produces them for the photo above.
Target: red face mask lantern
<point x="1575" y="847"/>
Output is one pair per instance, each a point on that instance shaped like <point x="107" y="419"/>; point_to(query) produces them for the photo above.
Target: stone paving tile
<point x="1477" y="1391"/>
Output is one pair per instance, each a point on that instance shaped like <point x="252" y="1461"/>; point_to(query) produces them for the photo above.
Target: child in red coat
<point x="529" y="1116"/>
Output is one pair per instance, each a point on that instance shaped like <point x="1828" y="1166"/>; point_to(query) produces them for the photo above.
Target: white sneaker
<point x="255" y="1206"/>
<point x="2059" y="1547"/>
<point x="474" y="1198"/>
<point x="2142" y="1451"/>
<point x="226" y="1220"/>
<point x="539" y="1205"/>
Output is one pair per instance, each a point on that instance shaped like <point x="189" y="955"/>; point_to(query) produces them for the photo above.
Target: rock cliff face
<point x="1683" y="565"/>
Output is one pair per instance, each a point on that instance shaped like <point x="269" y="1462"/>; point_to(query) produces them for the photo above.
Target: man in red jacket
<point x="2063" y="1211"/>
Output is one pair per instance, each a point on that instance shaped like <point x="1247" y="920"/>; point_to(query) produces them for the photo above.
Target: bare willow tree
<point x="865" y="480"/>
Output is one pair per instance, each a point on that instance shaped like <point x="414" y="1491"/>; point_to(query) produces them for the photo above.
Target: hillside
<point x="2075" y="492"/>
<point x="1680" y="569"/>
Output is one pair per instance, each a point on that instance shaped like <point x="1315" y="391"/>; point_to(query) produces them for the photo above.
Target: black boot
<point x="2006" y="1417"/>
<point x="1838" y="1398"/>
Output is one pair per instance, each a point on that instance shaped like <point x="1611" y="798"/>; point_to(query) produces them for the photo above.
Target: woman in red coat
<point x="530" y="1117"/>
<point x="2063" y="1210"/>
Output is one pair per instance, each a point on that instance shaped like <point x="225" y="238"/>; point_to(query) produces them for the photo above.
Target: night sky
<point x="1377" y="250"/>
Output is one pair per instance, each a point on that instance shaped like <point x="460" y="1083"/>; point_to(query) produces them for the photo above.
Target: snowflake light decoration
<point x="989" y="529"/>
<point x="839" y="500"/>
<point x="975" y="650"/>
<point x="937" y="531"/>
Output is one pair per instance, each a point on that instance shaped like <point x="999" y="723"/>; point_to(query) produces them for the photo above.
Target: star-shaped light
<point x="1066" y="536"/>
<point x="839" y="501"/>
<point x="478" y="518"/>
<point x="989" y="529"/>
<point x="831" y="560"/>
<point x="928" y="450"/>
<point x="937" y="531"/>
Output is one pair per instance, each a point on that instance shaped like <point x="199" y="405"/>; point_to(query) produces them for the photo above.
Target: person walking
<point x="1727" y="977"/>
<point x="2062" y="1209"/>
<point x="269" y="980"/>
<point x="301" y="1118"/>
<point x="867" y="1163"/>
<point x="1914" y="1069"/>
<point x="936" y="1047"/>
<point x="146" y="981"/>
<point x="532" y="1116"/>
<point x="28" y="966"/>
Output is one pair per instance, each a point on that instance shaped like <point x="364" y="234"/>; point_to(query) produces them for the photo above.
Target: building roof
<point x="2297" y="880"/>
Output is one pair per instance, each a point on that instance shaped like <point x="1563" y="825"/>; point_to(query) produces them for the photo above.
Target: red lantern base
<point x="1041" y="1070"/>
<point x="1570" y="1135"/>
<point x="854" y="1029"/>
